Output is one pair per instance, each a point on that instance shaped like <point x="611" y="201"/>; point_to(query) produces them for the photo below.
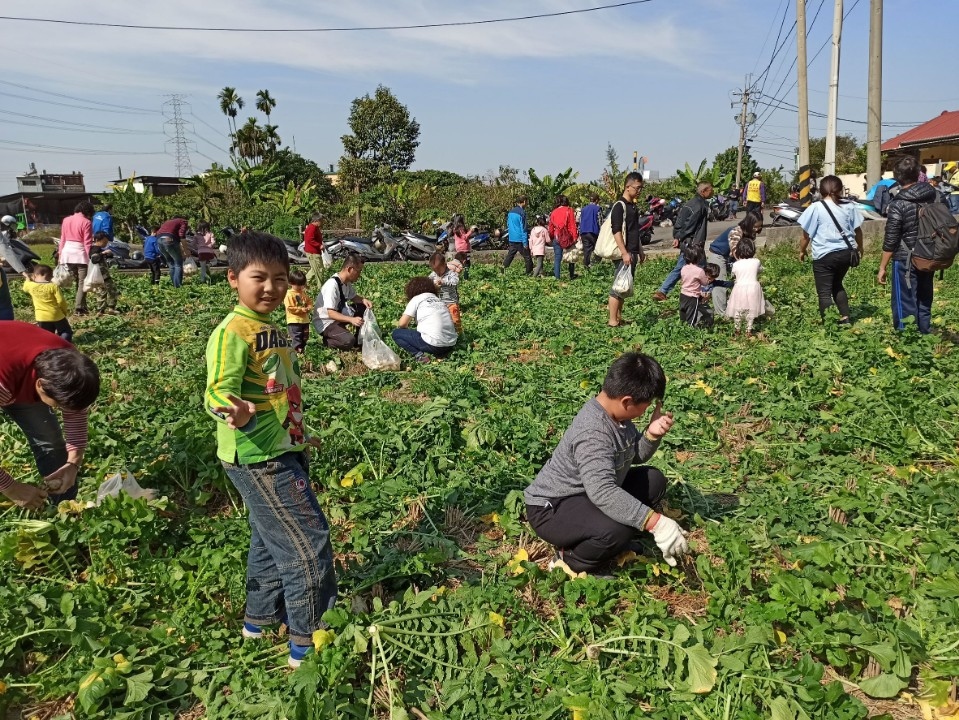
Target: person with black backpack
<point x="921" y="237"/>
<point x="339" y="306"/>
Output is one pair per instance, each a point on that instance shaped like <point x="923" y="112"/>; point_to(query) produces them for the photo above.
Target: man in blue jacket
<point x="589" y="218"/>
<point x="518" y="239"/>
<point x="103" y="221"/>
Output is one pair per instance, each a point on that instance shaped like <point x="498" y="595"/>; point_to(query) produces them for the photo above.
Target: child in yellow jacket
<point x="298" y="308"/>
<point x="49" y="307"/>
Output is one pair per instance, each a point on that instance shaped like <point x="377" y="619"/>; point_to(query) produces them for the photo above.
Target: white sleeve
<point x="328" y="299"/>
<point x="411" y="306"/>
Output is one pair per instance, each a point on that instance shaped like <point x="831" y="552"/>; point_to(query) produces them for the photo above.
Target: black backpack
<point x="938" y="242"/>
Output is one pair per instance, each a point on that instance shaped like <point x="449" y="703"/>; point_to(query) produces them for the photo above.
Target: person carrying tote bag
<point x="833" y="228"/>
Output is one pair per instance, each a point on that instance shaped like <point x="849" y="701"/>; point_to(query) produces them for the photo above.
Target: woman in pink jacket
<point x="76" y="239"/>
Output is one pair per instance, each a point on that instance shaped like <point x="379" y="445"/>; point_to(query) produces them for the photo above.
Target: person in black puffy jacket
<point x="911" y="288"/>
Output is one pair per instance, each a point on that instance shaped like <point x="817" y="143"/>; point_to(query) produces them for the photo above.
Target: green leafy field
<point x="815" y="466"/>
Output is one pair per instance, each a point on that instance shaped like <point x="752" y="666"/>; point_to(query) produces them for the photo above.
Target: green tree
<point x="265" y="103"/>
<point x="297" y="169"/>
<point x="543" y="190"/>
<point x="689" y="179"/>
<point x="726" y="164"/>
<point x="850" y="155"/>
<point x="230" y="104"/>
<point x="433" y="178"/>
<point x="383" y="139"/>
<point x="613" y="180"/>
<point x="129" y="206"/>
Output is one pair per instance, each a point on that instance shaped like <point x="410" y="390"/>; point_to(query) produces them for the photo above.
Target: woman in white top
<point x="435" y="332"/>
<point x="834" y="238"/>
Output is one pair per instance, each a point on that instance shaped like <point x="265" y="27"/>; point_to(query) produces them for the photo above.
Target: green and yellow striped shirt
<point x="249" y="357"/>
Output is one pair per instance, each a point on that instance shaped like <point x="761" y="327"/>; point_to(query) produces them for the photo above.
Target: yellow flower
<point x="700" y="385"/>
<point x="913" y="469"/>
<point x="497" y="619"/>
<point x="491" y="519"/>
<point x="752" y="381"/>
<point x="584" y="384"/>
<point x="892" y="353"/>
<point x="873" y="371"/>
<point x="516" y="564"/>
<point x="354" y="476"/>
<point x="3" y="687"/>
<point x="322" y="638"/>
<point x="440" y="592"/>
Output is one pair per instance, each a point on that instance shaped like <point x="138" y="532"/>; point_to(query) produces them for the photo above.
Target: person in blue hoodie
<point x="103" y="221"/>
<point x="589" y="221"/>
<point x="518" y="239"/>
<point x="152" y="255"/>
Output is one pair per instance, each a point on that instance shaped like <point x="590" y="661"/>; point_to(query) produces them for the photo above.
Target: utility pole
<point x="805" y="172"/>
<point x="745" y="119"/>
<point x="874" y="104"/>
<point x="829" y="166"/>
<point x="175" y="129"/>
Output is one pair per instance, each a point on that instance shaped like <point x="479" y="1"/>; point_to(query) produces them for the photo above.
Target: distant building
<point x="931" y="143"/>
<point x="159" y="185"/>
<point x="44" y="198"/>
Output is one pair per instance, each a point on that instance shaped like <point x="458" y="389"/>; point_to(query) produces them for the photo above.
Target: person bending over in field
<point x="435" y="332"/>
<point x="339" y="307"/>
<point x="40" y="372"/>
<point x="253" y="391"/>
<point x="588" y="501"/>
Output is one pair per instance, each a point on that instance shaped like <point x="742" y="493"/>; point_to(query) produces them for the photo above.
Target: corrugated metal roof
<point x="944" y="126"/>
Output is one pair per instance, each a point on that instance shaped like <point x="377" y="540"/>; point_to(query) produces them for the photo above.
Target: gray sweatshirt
<point x="593" y="457"/>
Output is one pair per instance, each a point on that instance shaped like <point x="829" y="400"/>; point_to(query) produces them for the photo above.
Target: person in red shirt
<point x="40" y="372"/>
<point x="562" y="229"/>
<point x="313" y="247"/>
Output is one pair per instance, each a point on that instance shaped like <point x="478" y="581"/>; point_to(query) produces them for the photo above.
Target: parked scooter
<point x="786" y="213"/>
<point x="718" y="208"/>
<point x="381" y="246"/>
<point x="419" y="247"/>
<point x="668" y="213"/>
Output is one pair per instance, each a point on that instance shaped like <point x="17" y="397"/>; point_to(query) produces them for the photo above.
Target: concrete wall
<point x="872" y="233"/>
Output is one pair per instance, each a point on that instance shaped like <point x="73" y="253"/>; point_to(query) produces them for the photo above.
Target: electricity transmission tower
<point x="175" y="128"/>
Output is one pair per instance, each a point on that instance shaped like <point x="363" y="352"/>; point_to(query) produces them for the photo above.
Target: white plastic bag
<point x="61" y="276"/>
<point x="94" y="277"/>
<point x="115" y="484"/>
<point x="623" y="282"/>
<point x="574" y="254"/>
<point x="190" y="267"/>
<point x="377" y="355"/>
<point x="326" y="258"/>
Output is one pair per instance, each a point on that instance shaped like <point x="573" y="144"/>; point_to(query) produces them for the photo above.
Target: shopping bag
<point x="190" y="267"/>
<point x="623" y="282"/>
<point x="326" y="258"/>
<point x="61" y="276"/>
<point x="377" y="355"/>
<point x="115" y="484"/>
<point x="606" y="246"/>
<point x="94" y="277"/>
<point x="574" y="254"/>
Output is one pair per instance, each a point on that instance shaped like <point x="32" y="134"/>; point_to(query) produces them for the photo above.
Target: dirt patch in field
<point x="533" y="353"/>
<point x="689" y="605"/>
<point x="49" y="709"/>
<point x="403" y="393"/>
<point x="738" y="432"/>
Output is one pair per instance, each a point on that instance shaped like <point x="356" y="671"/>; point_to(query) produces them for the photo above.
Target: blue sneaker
<point x="297" y="653"/>
<point x="251" y="631"/>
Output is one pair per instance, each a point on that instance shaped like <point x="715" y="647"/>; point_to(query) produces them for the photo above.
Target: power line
<point x="67" y="105"/>
<point x="78" y="129"/>
<point x="211" y="144"/>
<point x="28" y="147"/>
<point x="770" y="32"/>
<point x="78" y="124"/>
<point x="783" y="105"/>
<point x="423" y="26"/>
<point x="777" y="48"/>
<point x="73" y="97"/>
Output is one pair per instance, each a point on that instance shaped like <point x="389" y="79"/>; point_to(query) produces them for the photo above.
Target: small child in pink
<point x="538" y="237"/>
<point x="694" y="307"/>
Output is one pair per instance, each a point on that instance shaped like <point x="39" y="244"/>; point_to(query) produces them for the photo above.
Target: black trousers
<point x="589" y="538"/>
<point x="515" y="247"/>
<point x="299" y="335"/>
<point x="695" y="311"/>
<point x="58" y="327"/>
<point x="829" y="271"/>
<point x="754" y="207"/>
<point x="589" y="245"/>
<point x="155" y="270"/>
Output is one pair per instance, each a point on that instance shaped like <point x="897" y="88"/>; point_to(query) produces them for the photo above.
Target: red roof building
<point x="932" y="142"/>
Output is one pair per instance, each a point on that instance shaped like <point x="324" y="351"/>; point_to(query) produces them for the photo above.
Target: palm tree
<point x="249" y="141"/>
<point x="230" y="104"/>
<point x="265" y="103"/>
<point x="271" y="139"/>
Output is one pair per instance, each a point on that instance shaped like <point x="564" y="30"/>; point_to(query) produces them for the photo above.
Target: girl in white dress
<point x="746" y="301"/>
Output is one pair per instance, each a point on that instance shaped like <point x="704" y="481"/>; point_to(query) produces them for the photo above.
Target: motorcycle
<point x="786" y="213"/>
<point x="293" y="250"/>
<point x="380" y="247"/>
<point x="669" y="212"/>
<point x="718" y="208"/>
<point x="24" y="253"/>
<point x="646" y="224"/>
<point x="419" y="247"/>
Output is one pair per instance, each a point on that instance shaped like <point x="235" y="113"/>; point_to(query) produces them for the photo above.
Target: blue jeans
<point x="6" y="304"/>
<point x="170" y="249"/>
<point x="290" y="565"/>
<point x="911" y="301"/>
<point x="670" y="282"/>
<point x="557" y="260"/>
<point x="954" y="203"/>
<point x="39" y="423"/>
<point x="414" y="344"/>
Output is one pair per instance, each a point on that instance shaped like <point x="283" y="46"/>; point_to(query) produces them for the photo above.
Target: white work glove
<point x="671" y="539"/>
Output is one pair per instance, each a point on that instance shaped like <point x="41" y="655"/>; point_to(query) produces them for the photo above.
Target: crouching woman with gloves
<point x="589" y="501"/>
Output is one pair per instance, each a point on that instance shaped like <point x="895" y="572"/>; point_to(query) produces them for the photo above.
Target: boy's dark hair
<point x="317" y="217"/>
<point x="635" y="375"/>
<point x="745" y="249"/>
<point x="354" y="260"/>
<point x="101" y="236"/>
<point x="202" y="227"/>
<point x="418" y="286"/>
<point x="521" y="199"/>
<point x="85" y="208"/>
<point x="44" y="271"/>
<point x="251" y="247"/>
<point x="693" y="254"/>
<point x="461" y="256"/>
<point x="711" y="270"/>
<point x="906" y="171"/>
<point x="297" y="277"/>
<point x="594" y="198"/>
<point x="107" y="208"/>
<point x="634" y="177"/>
<point x="69" y="377"/>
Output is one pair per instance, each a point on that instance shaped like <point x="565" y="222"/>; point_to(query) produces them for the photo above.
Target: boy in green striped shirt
<point x="253" y="391"/>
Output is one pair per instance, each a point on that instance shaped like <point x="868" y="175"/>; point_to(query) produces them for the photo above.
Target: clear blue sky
<point x="547" y="94"/>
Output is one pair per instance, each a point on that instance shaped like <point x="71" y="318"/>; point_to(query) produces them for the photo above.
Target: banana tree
<point x="129" y="206"/>
<point x="689" y="180"/>
<point x="543" y="190"/>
